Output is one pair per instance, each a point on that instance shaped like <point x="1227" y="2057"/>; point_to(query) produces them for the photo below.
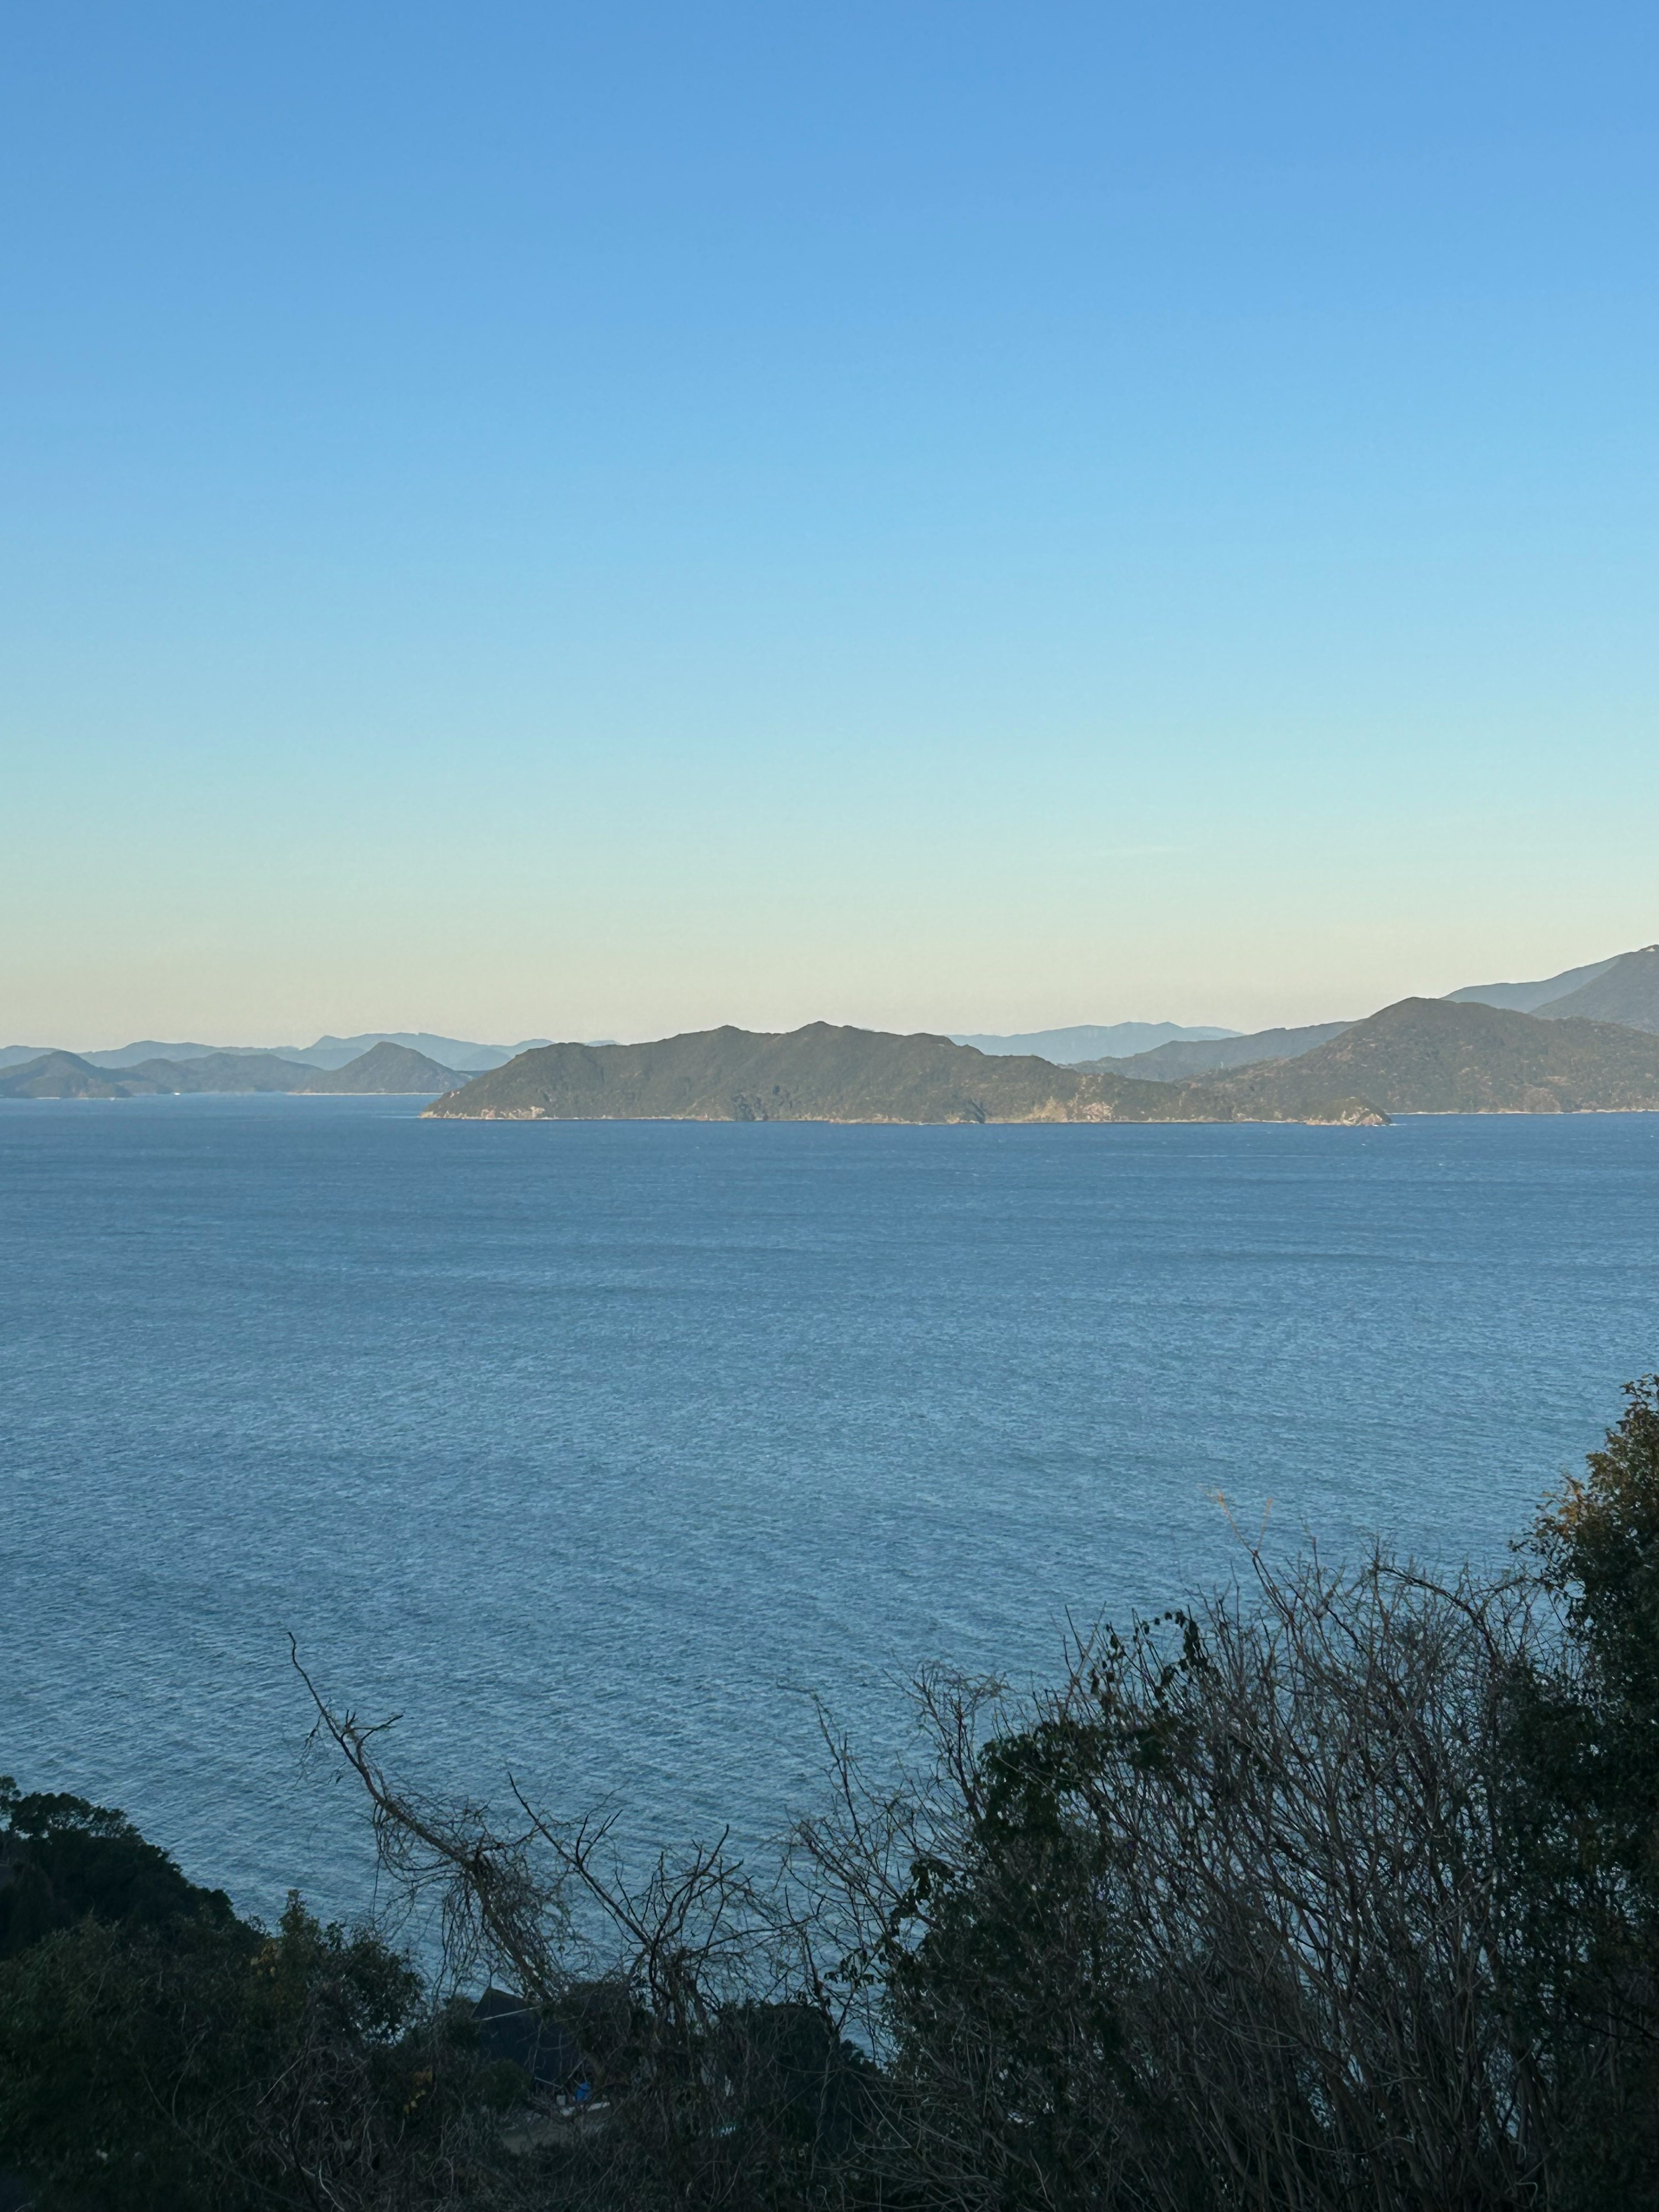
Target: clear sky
<point x="523" y="519"/>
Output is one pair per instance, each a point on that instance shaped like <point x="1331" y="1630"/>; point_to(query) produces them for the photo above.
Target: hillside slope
<point x="1528" y="998"/>
<point x="1438" y="1056"/>
<point x="1086" y="1042"/>
<point x="1180" y="1061"/>
<point x="1625" y="991"/>
<point x="223" y="1072"/>
<point x="385" y="1070"/>
<point x="148" y="1049"/>
<point x="456" y="1054"/>
<point x="59" y="1075"/>
<point x="826" y="1073"/>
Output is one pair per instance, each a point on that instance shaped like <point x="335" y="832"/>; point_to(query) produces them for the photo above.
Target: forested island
<point x="1422" y="1056"/>
<point x="1340" y="1888"/>
<point x="824" y="1073"/>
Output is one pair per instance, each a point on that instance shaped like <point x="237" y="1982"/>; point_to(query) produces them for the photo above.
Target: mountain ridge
<point x="54" y="1074"/>
<point x="824" y="1071"/>
<point x="386" y="1070"/>
<point x="1625" y="991"/>
<point x="1443" y="1056"/>
<point x="454" y="1053"/>
<point x="1179" y="1061"/>
<point x="328" y="1052"/>
<point x="1528" y="998"/>
<point x="1418" y="1056"/>
<point x="1085" y="1042"/>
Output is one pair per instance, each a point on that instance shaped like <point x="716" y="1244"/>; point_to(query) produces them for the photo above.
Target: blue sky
<point x="528" y="520"/>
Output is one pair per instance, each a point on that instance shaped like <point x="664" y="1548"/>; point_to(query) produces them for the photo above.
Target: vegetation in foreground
<point x="1339" y="1890"/>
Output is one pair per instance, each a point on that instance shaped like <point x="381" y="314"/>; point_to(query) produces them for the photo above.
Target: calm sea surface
<point x="594" y="1448"/>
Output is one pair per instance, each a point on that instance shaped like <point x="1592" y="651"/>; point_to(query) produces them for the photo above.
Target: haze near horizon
<point x="935" y="518"/>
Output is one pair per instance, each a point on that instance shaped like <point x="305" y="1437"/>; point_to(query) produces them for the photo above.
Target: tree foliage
<point x="63" y="1858"/>
<point x="157" y="2054"/>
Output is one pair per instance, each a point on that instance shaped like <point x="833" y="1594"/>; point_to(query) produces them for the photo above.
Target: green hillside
<point x="1438" y="1056"/>
<point x="1182" y="1059"/>
<point x="826" y="1073"/>
<point x="1627" y="991"/>
<point x="1530" y="998"/>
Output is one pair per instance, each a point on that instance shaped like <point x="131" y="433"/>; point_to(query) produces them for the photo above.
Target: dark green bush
<point x="63" y="1859"/>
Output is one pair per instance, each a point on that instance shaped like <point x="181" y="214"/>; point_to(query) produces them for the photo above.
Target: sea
<point x="611" y="1457"/>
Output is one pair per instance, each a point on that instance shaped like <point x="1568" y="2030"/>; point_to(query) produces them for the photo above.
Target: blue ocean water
<point x="595" y="1448"/>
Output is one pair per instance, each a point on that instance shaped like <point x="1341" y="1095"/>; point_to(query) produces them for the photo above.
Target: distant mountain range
<point x="328" y="1051"/>
<point x="447" y="1051"/>
<point x="1624" y="989"/>
<point x="384" y="1070"/>
<point x="1527" y="998"/>
<point x="1421" y="1056"/>
<point x="59" y="1075"/>
<point x="1090" y="1042"/>
<point x="1178" y="1063"/>
<point x="1440" y="1056"/>
<point x="826" y="1073"/>
<point x="1586" y="1040"/>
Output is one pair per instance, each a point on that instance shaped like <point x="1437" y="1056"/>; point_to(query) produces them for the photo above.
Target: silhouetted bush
<point x="157" y="2054"/>
<point x="62" y="1859"/>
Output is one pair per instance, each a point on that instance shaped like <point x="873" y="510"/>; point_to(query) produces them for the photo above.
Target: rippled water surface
<point x="595" y="1448"/>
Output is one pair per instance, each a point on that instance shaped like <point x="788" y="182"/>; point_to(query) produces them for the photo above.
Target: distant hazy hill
<point x="1070" y="1048"/>
<point x="58" y="1075"/>
<point x="1527" y="998"/>
<point x="826" y="1073"/>
<point x="1176" y="1063"/>
<point x="1626" y="990"/>
<point x="328" y="1052"/>
<point x="1441" y="1056"/>
<point x="137" y="1056"/>
<point x="439" y="1051"/>
<point x="386" y="1069"/>
<point x="220" y="1072"/>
